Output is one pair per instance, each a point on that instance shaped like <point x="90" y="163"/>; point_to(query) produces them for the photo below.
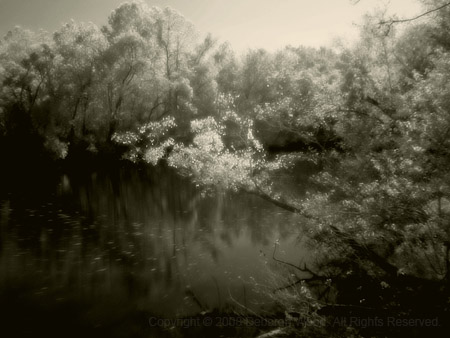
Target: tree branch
<point x="391" y="22"/>
<point x="280" y="203"/>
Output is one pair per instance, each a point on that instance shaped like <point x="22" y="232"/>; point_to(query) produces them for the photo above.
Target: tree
<point x="26" y="73"/>
<point x="376" y="213"/>
<point x="159" y="60"/>
<point x="78" y="49"/>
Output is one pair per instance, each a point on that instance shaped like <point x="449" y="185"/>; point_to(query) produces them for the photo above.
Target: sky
<point x="270" y="24"/>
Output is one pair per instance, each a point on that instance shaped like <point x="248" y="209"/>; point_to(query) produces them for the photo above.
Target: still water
<point x="114" y="243"/>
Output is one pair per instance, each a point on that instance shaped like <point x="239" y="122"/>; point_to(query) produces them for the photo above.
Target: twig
<point x="299" y="281"/>
<point x="218" y="290"/>
<point x="304" y="269"/>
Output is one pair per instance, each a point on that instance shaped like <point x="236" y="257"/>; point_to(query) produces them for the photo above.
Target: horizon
<point x="245" y="25"/>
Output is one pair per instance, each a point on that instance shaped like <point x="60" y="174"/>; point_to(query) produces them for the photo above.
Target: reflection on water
<point x="140" y="239"/>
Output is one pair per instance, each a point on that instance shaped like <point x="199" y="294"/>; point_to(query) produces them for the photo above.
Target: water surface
<point x="105" y="244"/>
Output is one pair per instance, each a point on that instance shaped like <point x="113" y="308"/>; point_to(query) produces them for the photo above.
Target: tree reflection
<point x="142" y="236"/>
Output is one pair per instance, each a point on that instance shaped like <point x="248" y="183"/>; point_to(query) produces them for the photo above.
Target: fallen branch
<point x="359" y="249"/>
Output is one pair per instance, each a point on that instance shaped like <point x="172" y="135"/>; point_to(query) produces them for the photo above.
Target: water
<point x="106" y="246"/>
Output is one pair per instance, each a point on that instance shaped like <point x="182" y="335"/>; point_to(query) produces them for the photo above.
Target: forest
<point x="370" y="120"/>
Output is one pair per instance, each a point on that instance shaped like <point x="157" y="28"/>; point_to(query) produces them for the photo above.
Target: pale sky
<point x="270" y="24"/>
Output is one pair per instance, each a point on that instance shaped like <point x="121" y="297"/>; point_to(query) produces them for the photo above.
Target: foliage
<point x="372" y="119"/>
<point x="149" y="142"/>
<point x="79" y="87"/>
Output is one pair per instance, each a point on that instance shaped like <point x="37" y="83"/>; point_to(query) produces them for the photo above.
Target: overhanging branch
<point x="391" y="22"/>
<point x="359" y="249"/>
